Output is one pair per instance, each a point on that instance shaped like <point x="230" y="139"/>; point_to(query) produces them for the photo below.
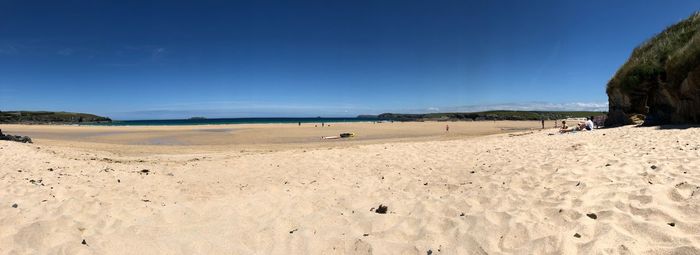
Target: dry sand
<point x="615" y="191"/>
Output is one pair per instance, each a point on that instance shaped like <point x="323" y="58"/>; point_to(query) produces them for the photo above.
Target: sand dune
<point x="616" y="191"/>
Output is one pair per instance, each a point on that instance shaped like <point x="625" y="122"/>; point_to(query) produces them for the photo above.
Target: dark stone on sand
<point x="672" y="224"/>
<point x="365" y="234"/>
<point x="382" y="209"/>
<point x="462" y="214"/>
<point x="653" y="166"/>
<point x="293" y="230"/>
<point x="425" y="184"/>
<point x="14" y="205"/>
<point x="15" y="138"/>
<point x="430" y="252"/>
<point x="577" y="235"/>
<point x="144" y="171"/>
<point x="83" y="242"/>
<point x="607" y="165"/>
<point x="592" y="215"/>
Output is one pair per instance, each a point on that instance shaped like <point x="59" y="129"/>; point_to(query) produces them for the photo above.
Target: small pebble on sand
<point x="382" y="209"/>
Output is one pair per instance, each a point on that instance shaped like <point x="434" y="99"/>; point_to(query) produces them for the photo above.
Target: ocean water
<point x="181" y="122"/>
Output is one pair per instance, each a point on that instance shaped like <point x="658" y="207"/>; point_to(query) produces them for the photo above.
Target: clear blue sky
<point x="171" y="59"/>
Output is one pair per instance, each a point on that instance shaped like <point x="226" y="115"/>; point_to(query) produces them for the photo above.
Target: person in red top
<point x="447" y="128"/>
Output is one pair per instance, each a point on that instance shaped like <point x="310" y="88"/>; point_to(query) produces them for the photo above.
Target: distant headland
<point x="488" y="115"/>
<point x="45" y="117"/>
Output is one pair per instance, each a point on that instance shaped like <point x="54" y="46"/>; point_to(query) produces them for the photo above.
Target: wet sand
<point x="165" y="139"/>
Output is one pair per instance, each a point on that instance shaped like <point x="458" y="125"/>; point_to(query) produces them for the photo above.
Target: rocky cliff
<point x="660" y="83"/>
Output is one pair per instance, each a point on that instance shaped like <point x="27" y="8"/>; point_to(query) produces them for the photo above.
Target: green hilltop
<point x="669" y="56"/>
<point x="43" y="117"/>
<point x="490" y="115"/>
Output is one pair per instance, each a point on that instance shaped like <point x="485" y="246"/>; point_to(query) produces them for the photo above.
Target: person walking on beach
<point x="542" y="123"/>
<point x="447" y="128"/>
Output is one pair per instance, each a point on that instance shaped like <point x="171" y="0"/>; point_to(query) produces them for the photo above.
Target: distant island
<point x="198" y="118"/>
<point x="44" y="117"/>
<point x="487" y="115"/>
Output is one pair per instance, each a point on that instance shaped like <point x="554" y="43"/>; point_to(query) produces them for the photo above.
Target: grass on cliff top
<point x="666" y="57"/>
<point x="45" y="116"/>
<point x="492" y="115"/>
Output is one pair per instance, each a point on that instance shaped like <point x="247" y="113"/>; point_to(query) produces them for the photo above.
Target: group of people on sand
<point x="587" y="125"/>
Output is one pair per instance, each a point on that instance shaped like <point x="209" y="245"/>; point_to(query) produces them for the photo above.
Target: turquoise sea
<point x="180" y="122"/>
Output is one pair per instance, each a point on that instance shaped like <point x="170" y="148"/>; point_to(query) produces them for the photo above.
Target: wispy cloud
<point x="547" y="62"/>
<point x="533" y="106"/>
<point x="158" y="53"/>
<point x="230" y="109"/>
<point x="136" y="55"/>
<point x="8" y="49"/>
<point x="65" y="52"/>
<point x="250" y="104"/>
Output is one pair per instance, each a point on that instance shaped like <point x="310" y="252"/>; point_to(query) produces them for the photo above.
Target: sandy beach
<point x="613" y="191"/>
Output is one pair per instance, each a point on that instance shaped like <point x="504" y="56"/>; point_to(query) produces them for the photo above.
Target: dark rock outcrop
<point x="15" y="138"/>
<point x="660" y="83"/>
